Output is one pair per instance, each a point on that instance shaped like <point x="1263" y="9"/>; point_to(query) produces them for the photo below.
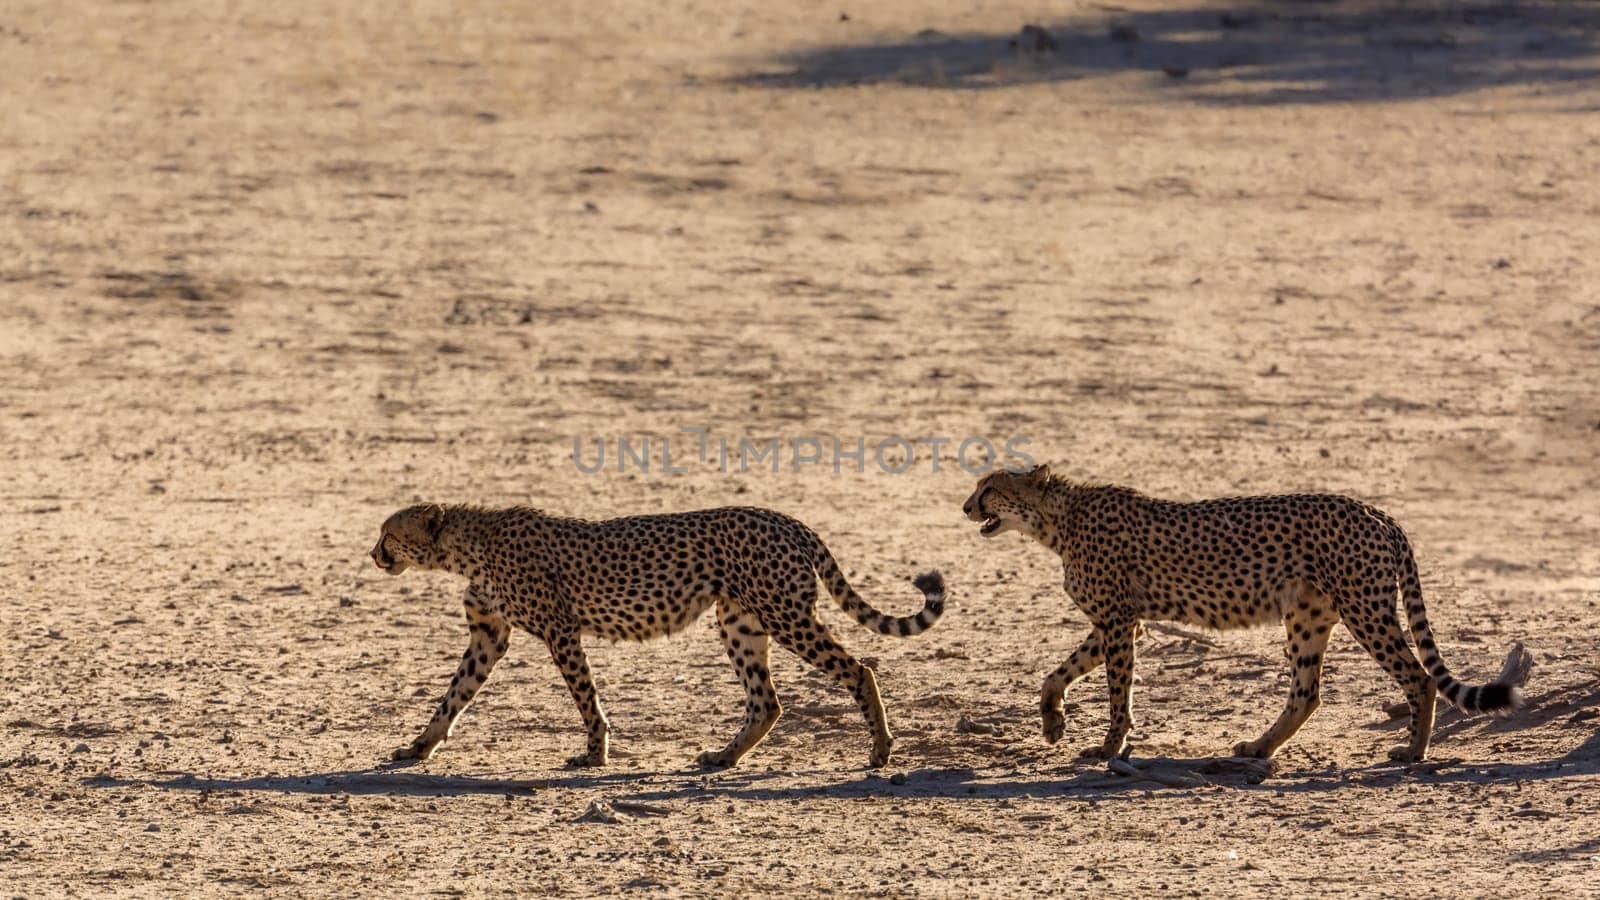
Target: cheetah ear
<point x="433" y="521"/>
<point x="1040" y="473"/>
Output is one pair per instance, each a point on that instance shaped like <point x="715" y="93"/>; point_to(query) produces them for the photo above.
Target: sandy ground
<point x="268" y="272"/>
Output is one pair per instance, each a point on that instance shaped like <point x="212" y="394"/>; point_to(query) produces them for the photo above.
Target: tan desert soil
<point x="270" y="271"/>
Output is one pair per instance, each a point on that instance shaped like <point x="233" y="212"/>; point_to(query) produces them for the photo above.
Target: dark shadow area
<point x="1581" y="849"/>
<point x="1244" y="54"/>
<point x="1082" y="779"/>
<point x="1540" y="709"/>
<point x="371" y="781"/>
<point x="1581" y="760"/>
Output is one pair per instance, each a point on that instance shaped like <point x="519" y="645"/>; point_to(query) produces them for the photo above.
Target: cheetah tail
<point x="931" y="584"/>
<point x="1500" y="697"/>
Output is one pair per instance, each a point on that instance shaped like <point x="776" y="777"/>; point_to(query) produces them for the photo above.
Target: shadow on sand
<point x="1082" y="779"/>
<point x="1244" y="54"/>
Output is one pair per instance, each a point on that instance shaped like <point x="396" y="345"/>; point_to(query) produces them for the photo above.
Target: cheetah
<point x="562" y="579"/>
<point x="1309" y="560"/>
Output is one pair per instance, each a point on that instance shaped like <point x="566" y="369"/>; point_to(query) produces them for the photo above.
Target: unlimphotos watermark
<point x="894" y="454"/>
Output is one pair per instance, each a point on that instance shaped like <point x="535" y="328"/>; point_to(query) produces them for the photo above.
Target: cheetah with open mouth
<point x="1307" y="560"/>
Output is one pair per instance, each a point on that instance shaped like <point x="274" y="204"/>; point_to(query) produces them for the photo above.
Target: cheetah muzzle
<point x="989" y="523"/>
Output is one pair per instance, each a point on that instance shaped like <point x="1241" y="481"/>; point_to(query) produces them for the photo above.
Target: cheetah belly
<point x="616" y="616"/>
<point x="1212" y="607"/>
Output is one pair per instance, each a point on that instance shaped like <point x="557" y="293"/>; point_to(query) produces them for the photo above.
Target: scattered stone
<point x="1124" y="34"/>
<point x="966" y="725"/>
<point x="640" y="809"/>
<point x="599" y="812"/>
<point x="1034" y="39"/>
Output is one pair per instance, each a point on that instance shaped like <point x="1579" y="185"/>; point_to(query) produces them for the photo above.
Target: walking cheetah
<point x="1310" y="560"/>
<point x="635" y="578"/>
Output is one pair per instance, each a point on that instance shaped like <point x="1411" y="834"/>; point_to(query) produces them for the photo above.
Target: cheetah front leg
<point x="746" y="642"/>
<point x="1088" y="657"/>
<point x="566" y="650"/>
<point x="1118" y="635"/>
<point x="489" y="637"/>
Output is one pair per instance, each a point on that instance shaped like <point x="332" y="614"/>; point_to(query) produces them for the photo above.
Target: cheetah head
<point x="409" y="537"/>
<point x="1008" y="501"/>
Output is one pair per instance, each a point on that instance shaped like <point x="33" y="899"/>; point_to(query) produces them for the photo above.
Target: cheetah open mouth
<point x="990" y="527"/>
<point x="382" y="560"/>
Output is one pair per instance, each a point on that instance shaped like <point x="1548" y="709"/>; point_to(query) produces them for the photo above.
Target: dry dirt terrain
<point x="270" y="271"/>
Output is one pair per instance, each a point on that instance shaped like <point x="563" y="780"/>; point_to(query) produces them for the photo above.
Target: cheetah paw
<point x="586" y="761"/>
<point x="414" y="751"/>
<point x="715" y="759"/>
<point x="1249" y="750"/>
<point x="1406" y="755"/>
<point x="1055" y="727"/>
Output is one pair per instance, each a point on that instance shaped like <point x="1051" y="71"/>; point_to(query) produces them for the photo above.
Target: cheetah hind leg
<point x="812" y="642"/>
<point x="1383" y="638"/>
<point x="746" y="642"/>
<point x="1308" y="634"/>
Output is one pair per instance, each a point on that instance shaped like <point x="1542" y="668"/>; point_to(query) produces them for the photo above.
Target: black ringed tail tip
<point x="931" y="584"/>
<point x="1493" y="698"/>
